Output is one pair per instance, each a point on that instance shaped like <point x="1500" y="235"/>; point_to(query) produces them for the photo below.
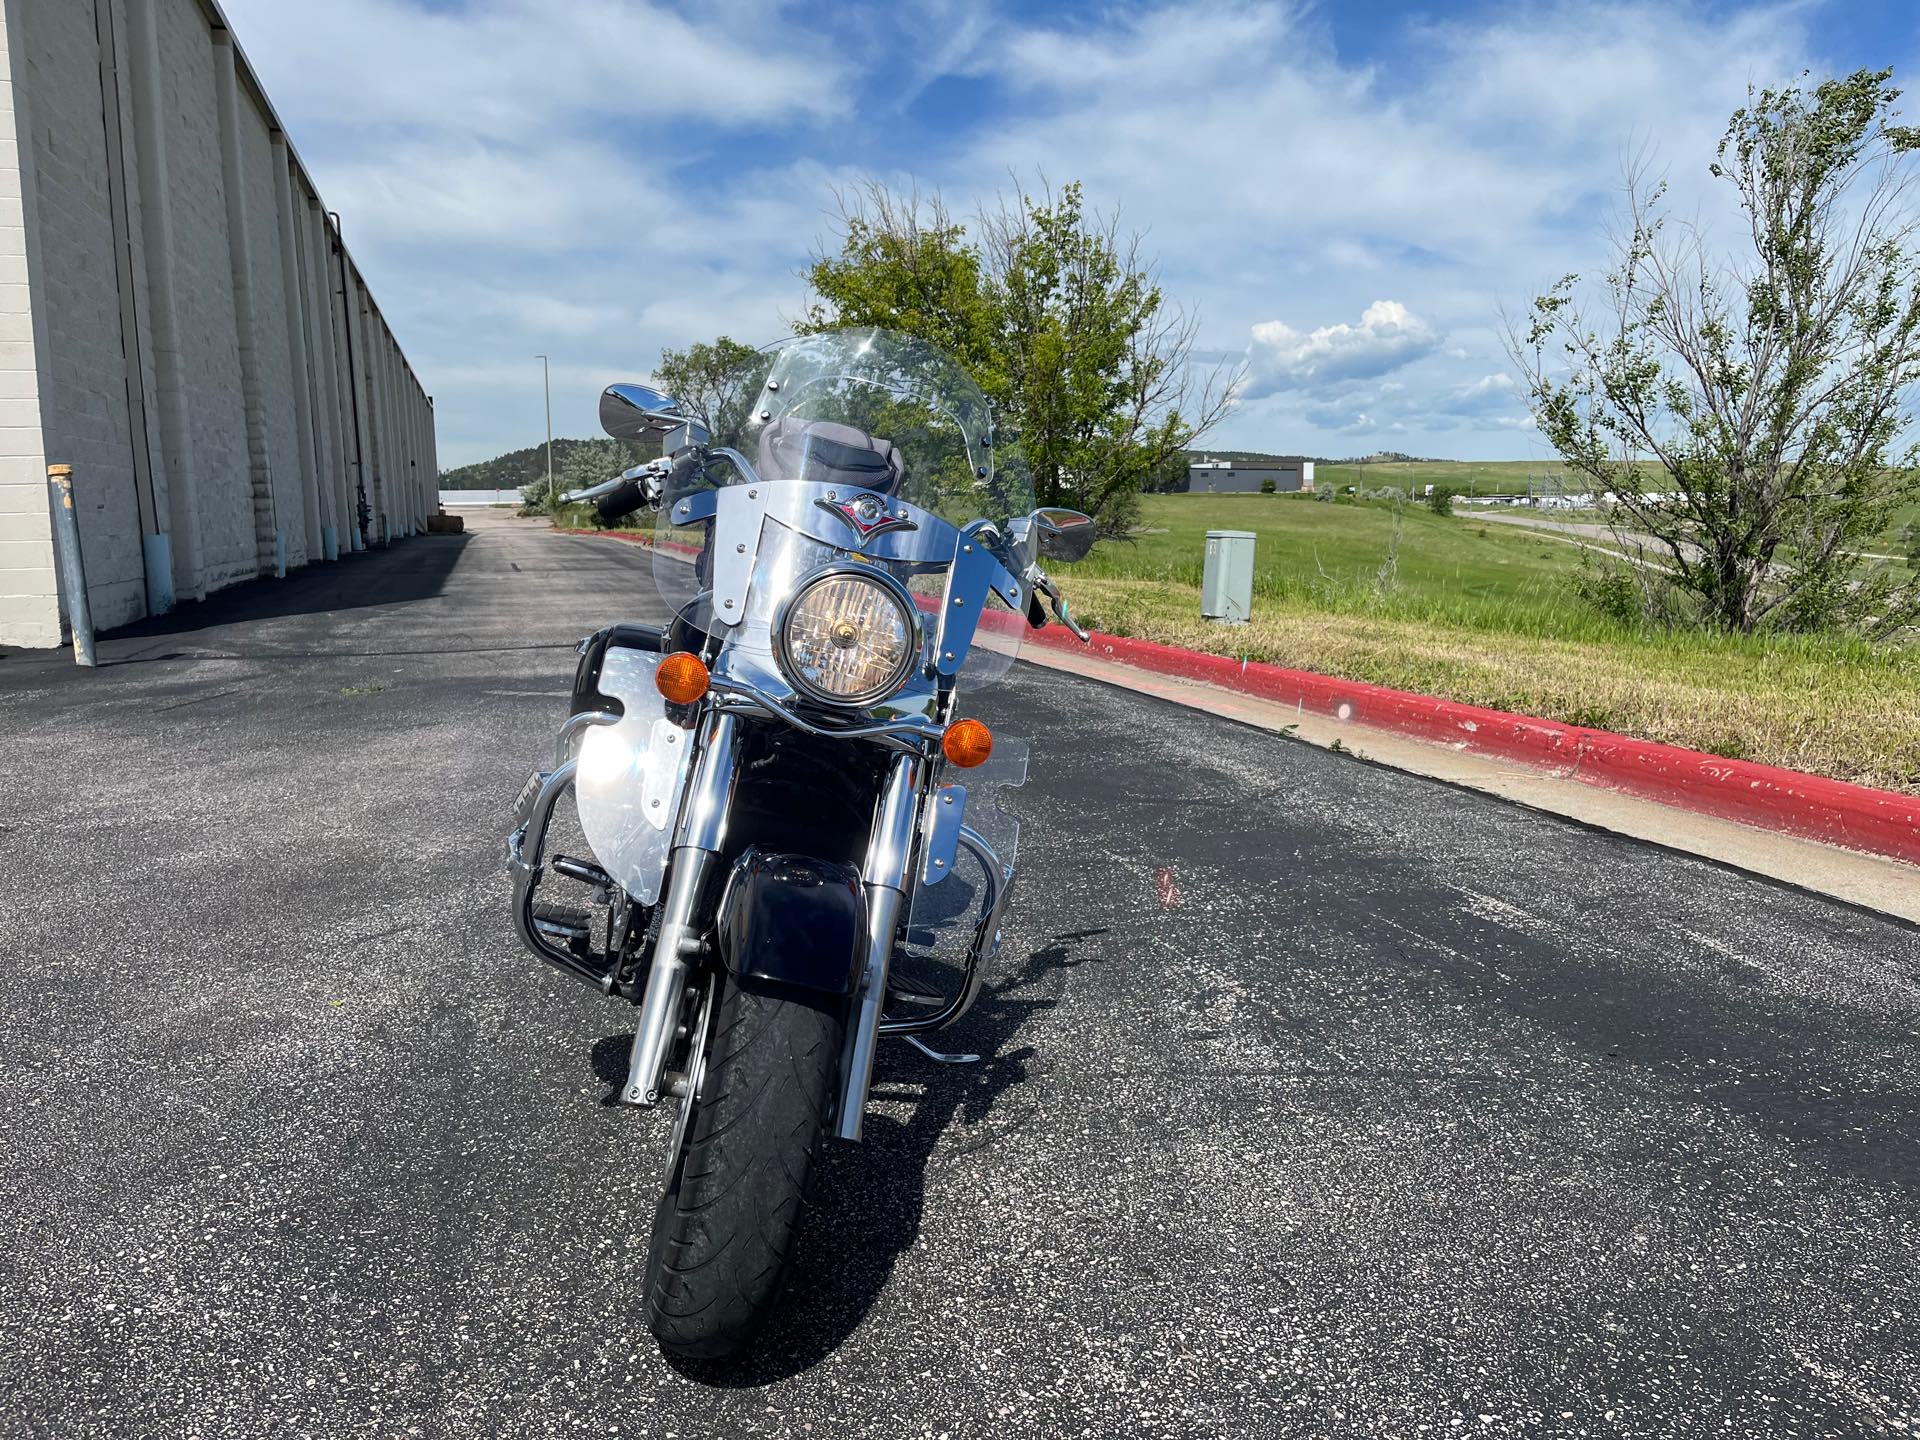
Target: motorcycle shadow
<point x="868" y="1198"/>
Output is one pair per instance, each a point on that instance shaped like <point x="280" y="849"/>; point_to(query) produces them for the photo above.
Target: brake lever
<point x="1042" y="584"/>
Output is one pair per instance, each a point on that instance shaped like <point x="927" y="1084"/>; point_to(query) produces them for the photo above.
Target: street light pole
<point x="546" y="382"/>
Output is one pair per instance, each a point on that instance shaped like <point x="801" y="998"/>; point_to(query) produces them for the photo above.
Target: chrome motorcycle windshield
<point x="862" y="448"/>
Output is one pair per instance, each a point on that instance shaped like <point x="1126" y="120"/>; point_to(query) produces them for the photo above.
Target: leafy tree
<point x="906" y="264"/>
<point x="1741" y="411"/>
<point x="1170" y="475"/>
<point x="1055" y="314"/>
<point x="710" y="378"/>
<point x="1439" y="499"/>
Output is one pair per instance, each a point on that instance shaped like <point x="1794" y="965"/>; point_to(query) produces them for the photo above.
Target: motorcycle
<point x="779" y="787"/>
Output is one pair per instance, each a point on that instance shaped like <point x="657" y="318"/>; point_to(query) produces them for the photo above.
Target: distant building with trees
<point x="1240" y="477"/>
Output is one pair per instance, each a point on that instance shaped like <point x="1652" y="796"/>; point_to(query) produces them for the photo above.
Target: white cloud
<point x="1279" y="178"/>
<point x="1489" y="395"/>
<point x="514" y="70"/>
<point x="1387" y="337"/>
<point x="611" y="176"/>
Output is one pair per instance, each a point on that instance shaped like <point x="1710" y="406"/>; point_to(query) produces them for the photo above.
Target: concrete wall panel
<point x="84" y="412"/>
<point x="210" y="363"/>
<point x="270" y="326"/>
<point x="122" y="334"/>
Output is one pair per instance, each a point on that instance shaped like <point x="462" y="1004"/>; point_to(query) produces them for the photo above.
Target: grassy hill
<point x="1492" y="615"/>
<point x="598" y="457"/>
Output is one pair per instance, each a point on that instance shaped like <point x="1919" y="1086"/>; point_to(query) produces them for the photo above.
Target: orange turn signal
<point x="967" y="743"/>
<point x="681" y="678"/>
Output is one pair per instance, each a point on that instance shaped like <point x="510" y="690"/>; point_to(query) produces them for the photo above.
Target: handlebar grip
<point x="617" y="504"/>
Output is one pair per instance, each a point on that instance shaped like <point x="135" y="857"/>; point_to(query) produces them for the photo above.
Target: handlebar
<point x="621" y="502"/>
<point x="620" y="496"/>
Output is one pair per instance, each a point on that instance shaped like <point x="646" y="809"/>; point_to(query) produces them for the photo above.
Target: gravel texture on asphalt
<point x="1320" y="1099"/>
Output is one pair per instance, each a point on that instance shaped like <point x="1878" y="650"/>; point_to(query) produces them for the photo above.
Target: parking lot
<point x="1320" y="1099"/>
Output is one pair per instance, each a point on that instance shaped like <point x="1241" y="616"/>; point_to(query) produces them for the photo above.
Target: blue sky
<point x="1350" y="193"/>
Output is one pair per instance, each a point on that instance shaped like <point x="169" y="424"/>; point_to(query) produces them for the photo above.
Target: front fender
<point x="793" y="921"/>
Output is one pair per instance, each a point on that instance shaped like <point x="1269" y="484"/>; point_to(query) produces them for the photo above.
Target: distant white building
<point x="180" y="323"/>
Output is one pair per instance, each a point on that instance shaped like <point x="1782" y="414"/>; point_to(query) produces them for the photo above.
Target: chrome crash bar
<point x="526" y="851"/>
<point x="526" y="847"/>
<point x="986" y="940"/>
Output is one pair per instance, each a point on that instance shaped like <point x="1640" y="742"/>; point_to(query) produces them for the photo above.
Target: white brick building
<point x="180" y="323"/>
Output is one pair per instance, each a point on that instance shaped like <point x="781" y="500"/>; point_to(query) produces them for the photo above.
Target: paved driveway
<point x="1322" y="1100"/>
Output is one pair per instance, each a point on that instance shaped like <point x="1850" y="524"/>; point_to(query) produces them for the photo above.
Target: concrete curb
<point x="1881" y="822"/>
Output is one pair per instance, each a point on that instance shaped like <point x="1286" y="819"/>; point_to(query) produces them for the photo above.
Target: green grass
<point x="1489" y="614"/>
<point x="1343" y="558"/>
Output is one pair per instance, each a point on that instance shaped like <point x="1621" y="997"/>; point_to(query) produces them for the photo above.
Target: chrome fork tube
<point x="886" y="878"/>
<point x="703" y="829"/>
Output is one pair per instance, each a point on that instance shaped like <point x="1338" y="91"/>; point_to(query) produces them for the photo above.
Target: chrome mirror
<point x="1065" y="535"/>
<point x="637" y="412"/>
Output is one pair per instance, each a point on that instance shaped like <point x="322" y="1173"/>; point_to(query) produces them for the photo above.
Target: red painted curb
<point x="632" y="537"/>
<point x="1883" y="822"/>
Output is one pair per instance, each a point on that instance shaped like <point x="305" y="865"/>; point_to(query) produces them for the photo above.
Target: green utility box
<point x="1226" y="584"/>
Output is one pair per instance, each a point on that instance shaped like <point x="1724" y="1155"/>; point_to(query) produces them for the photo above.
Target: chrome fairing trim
<point x="975" y="571"/>
<point x="739" y="513"/>
<point x="946" y="813"/>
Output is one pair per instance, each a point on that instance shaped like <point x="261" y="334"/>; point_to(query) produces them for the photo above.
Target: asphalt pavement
<point x="1320" y="1099"/>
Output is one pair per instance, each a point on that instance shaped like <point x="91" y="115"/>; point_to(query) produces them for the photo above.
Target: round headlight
<point x="848" y="639"/>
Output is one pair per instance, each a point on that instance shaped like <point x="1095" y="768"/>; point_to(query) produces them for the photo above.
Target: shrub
<point x="1610" y="589"/>
<point x="1267" y="487"/>
<point x="1440" y="499"/>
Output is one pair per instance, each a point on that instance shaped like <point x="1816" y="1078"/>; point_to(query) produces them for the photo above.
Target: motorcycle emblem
<point x="867" y="514"/>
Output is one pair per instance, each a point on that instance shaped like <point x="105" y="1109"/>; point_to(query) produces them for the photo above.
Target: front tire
<point x="727" y="1222"/>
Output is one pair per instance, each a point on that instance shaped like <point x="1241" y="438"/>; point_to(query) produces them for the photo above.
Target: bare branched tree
<point x="1742" y="411"/>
